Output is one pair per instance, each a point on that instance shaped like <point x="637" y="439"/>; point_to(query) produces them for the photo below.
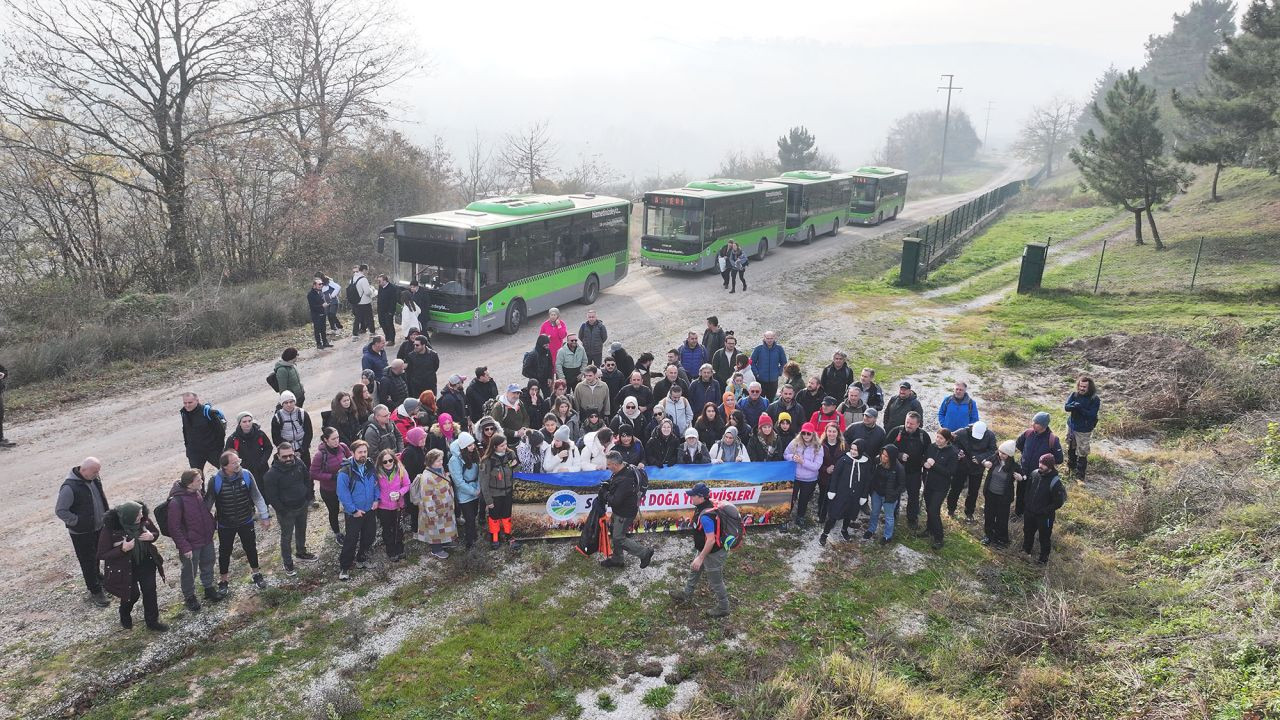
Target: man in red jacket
<point x="827" y="415"/>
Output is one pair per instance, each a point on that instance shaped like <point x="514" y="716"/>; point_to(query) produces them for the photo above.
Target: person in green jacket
<point x="287" y="377"/>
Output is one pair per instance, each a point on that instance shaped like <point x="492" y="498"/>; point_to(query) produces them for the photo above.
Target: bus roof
<point x="718" y="187"/>
<point x="512" y="209"/>
<point x="877" y="172"/>
<point x="807" y="177"/>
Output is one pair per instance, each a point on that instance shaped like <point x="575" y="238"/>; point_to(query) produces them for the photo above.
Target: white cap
<point x="979" y="430"/>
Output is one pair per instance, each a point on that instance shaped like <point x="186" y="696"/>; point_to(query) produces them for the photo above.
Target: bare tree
<point x="590" y="174"/>
<point x="742" y="165"/>
<point x="329" y="60"/>
<point x="529" y="155"/>
<point x="140" y="82"/>
<point x="1046" y="136"/>
<point x="480" y="178"/>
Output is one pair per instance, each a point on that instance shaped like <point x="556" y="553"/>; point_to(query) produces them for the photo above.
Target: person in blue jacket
<point x="693" y="355"/>
<point x="374" y="357"/>
<point x="1083" y="404"/>
<point x="464" y="470"/>
<point x="958" y="410"/>
<point x="358" y="492"/>
<point x="1034" y="443"/>
<point x="766" y="363"/>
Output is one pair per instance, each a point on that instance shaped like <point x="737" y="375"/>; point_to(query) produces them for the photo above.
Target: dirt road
<point x="138" y="436"/>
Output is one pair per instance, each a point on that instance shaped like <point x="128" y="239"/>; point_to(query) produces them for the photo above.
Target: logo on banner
<point x="563" y="504"/>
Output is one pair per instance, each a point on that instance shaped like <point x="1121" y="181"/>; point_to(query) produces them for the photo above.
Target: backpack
<point x="489" y="406"/>
<point x="210" y="413"/>
<point x="729" y="529"/>
<point x="161" y="515"/>
<point x="642" y="483"/>
<point x="273" y="381"/>
<point x="529" y="364"/>
<point x="353" y="293"/>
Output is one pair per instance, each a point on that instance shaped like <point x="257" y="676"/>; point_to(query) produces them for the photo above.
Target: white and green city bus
<point x="878" y="193"/>
<point x="684" y="228"/>
<point x="817" y="203"/>
<point x="496" y="262"/>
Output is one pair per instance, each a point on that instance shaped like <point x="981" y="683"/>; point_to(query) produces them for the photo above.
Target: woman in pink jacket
<point x="554" y="328"/>
<point x="806" y="452"/>
<point x="393" y="486"/>
<point x="325" y="464"/>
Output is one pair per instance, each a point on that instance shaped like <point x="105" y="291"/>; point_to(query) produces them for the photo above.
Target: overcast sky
<point x="675" y="85"/>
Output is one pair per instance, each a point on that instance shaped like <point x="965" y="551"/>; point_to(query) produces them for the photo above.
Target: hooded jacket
<point x="466" y="480"/>
<point x="299" y="420"/>
<point x="698" y="457"/>
<point x="869" y="439"/>
<point x="1033" y="444"/>
<point x="288" y="487"/>
<point x="624" y="496"/>
<point x="117" y="564"/>
<point x="848" y="485"/>
<point x="288" y="378"/>
<point x="397" y="483"/>
<point x="593" y="452"/>
<point x="946" y="460"/>
<point x="496" y="478"/>
<point x="680" y="413"/>
<point x="357" y="486"/>
<point x="836" y="381"/>
<point x="768" y="449"/>
<point x="895" y="413"/>
<point x="477" y="394"/>
<point x="889" y="482"/>
<point x="661" y="450"/>
<point x="189" y="522"/>
<point x="326" y="463"/>
<point x="1045" y="493"/>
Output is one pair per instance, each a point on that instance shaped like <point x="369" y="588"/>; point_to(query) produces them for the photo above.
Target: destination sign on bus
<point x="669" y="200"/>
<point x="864" y="180"/>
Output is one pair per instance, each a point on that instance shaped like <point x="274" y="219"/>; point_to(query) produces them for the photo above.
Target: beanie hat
<point x="415" y="435"/>
<point x="410" y="405"/>
<point x="690" y="433"/>
<point x="700" y="489"/>
<point x="979" y="430"/>
<point x="242" y="416"/>
<point x="562" y="434"/>
<point x="1048" y="460"/>
<point x="731" y="430"/>
<point x="289" y="354"/>
<point x="828" y="400"/>
<point x="465" y="440"/>
<point x="615" y="346"/>
<point x="1041" y="418"/>
<point x="764" y="419"/>
<point x="784" y="416"/>
<point x="1008" y="447"/>
<point x="368" y="374"/>
<point x="287" y="396"/>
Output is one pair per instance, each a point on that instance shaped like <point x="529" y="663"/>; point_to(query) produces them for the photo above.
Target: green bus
<point x="684" y="228"/>
<point x="878" y="193"/>
<point x="816" y="201"/>
<point x="498" y="261"/>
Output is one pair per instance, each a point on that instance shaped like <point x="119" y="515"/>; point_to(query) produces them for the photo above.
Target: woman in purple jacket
<point x="191" y="526"/>
<point x="324" y="470"/>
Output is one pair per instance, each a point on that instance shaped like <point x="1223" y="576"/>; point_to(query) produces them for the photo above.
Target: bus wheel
<point x="515" y="317"/>
<point x="809" y="235"/>
<point x="835" y="227"/>
<point x="590" y="290"/>
<point x="762" y="249"/>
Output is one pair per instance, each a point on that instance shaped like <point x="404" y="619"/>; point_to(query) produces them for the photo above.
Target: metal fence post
<point x="1097" y="279"/>
<point x="1196" y="269"/>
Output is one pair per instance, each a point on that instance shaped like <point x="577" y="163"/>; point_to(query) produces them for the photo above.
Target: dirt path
<point x="138" y="436"/>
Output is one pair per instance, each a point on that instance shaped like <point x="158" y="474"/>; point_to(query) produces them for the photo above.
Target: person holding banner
<point x="766" y="445"/>
<point x="663" y="445"/>
<point x="710" y="558"/>
<point x="692" y="451"/>
<point x="622" y="491"/>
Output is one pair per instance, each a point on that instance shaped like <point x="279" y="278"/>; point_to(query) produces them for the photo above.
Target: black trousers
<point x="1037" y="523"/>
<point x="330" y="498"/>
<point x="363" y="319"/>
<point x="388" y="323"/>
<point x="227" y="540"/>
<point x="319" y="330"/>
<point x="770" y="390"/>
<point x="392" y="533"/>
<point x="571" y="377"/>
<point x="86" y="546"/>
<point x="738" y="275"/>
<point x="995" y="522"/>
<point x="801" y="492"/>
<point x="964" y="479"/>
<point x="410" y="512"/>
<point x="1" y="414"/>
<point x="197" y="458"/>
<point x="332" y="313"/>
<point x="144" y="587"/>
<point x="1020" y="495"/>
<point x="293" y="532"/>
<point x="915" y="478"/>
<point x="359" y="538"/>
<point x="724" y="275"/>
<point x="467" y="512"/>
<point x="822" y="500"/>
<point x="933" y="500"/>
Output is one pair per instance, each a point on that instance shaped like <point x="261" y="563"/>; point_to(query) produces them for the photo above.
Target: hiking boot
<point x="1081" y="468"/>
<point x="985" y="540"/>
<point x="717" y="612"/>
<point x="100" y="599"/>
<point x="258" y="580"/>
<point x="647" y="559"/>
<point x="157" y="626"/>
<point x="213" y="595"/>
<point x="344" y="576"/>
<point x="223" y="588"/>
<point x="1042" y="561"/>
<point x="289" y="571"/>
<point x="679" y="596"/>
<point x="304" y="555"/>
<point x="822" y="539"/>
<point x="340" y="538"/>
<point x="845" y="534"/>
<point x="867" y="535"/>
<point x="126" y="618"/>
<point x="439" y="554"/>
<point x="192" y="603"/>
<point x="612" y="562"/>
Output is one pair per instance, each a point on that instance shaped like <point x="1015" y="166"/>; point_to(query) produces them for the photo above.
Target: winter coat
<point x="420" y="372"/>
<point x="632" y="454"/>
<point x="767" y="362"/>
<point x="718" y="452"/>
<point x="1000" y="477"/>
<point x="831" y="455"/>
<point x="624" y="495"/>
<point x="642" y="394"/>
<point x="437" y="440"/>
<point x="701" y="393"/>
<point x="388" y="299"/>
<point x="466" y="480"/>
<point x="117" y="564"/>
<point x="915" y="445"/>
<point x="432" y="492"/>
<point x="326" y="463"/>
<point x="556" y="333"/>
<point x="81" y="503"/>
<point x="375" y="361"/>
<point x="1084" y="412"/>
<point x="387" y="484"/>
<point x="660" y="451"/>
<point x="693" y="358"/>
<point x="458" y="405"/>
<point x="593" y="452"/>
<point x="414" y="460"/>
<point x="709" y="431"/>
<point x="403" y="421"/>
<point x="848" y="486"/>
<point x="570" y="359"/>
<point x="382" y="438"/>
<point x="477" y="394"/>
<point x="946" y="460"/>
<point x="315" y="302"/>
<point x="288" y="487"/>
<point x="626" y="365"/>
<point x="288" y="379"/>
<point x="496" y="479"/>
<point x="203" y="429"/>
<point x="1045" y="493"/>
<point x="680" y="413"/>
<point x="587" y="397"/>
<point x="895" y="413"/>
<point x="592" y="338"/>
<point x="1033" y="444"/>
<point x="393" y="388"/>
<point x="821" y="421"/>
<point x="662" y="388"/>
<point x="954" y="414"/>
<point x="190" y="524"/>
<point x="975" y="451"/>
<point x="574" y="425"/>
<point x="753" y="409"/>
<point x="236" y="498"/>
<point x="810" y="461"/>
<point x="870" y="439"/>
<point x="713" y="340"/>
<point x="300" y="418"/>
<point x="348" y="429"/>
<point x="852" y="413"/>
<point x="836" y="381"/>
<point x="552" y="463"/>
<point x="510" y="418"/>
<point x="873" y="396"/>
<point x="722" y="362"/>
<point x="766" y="450"/>
<point x="698" y="457"/>
<point x="777" y="407"/>
<point x="357" y="486"/>
<point x="889" y="482"/>
<point x="810" y="401"/>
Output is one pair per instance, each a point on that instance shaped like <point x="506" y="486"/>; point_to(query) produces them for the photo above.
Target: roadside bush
<point x="1048" y="620"/>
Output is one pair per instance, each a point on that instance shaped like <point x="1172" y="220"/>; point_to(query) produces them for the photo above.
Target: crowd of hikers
<point x="399" y="453"/>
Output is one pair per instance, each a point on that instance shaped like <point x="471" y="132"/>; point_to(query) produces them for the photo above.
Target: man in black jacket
<point x="869" y="436"/>
<point x="623" y="493"/>
<point x="895" y="413"/>
<point x="388" y="298"/>
<point x="1045" y="494"/>
<point x="482" y="389"/>
<point x="636" y="388"/>
<point x="81" y="506"/>
<point x="204" y="432"/>
<point x="976" y="444"/>
<point x="288" y="489"/>
<point x="837" y="377"/>
<point x="871" y="393"/>
<point x="913" y="448"/>
<point x="421" y="367"/>
<point x="454" y="401"/>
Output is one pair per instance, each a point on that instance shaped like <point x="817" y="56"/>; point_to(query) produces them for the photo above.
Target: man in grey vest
<point x="81" y="505"/>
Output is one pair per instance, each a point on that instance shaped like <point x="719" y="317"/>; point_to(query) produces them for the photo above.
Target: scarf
<point x="130" y="514"/>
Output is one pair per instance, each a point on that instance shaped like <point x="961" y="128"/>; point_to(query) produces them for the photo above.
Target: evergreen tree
<point x="1247" y="76"/>
<point x="1127" y="165"/>
<point x="1211" y="133"/>
<point x="796" y="150"/>
<point x="1101" y="87"/>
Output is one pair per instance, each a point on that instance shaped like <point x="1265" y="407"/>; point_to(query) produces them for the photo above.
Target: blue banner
<point x="753" y="473"/>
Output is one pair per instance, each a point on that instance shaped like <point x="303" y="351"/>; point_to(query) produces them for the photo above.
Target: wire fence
<point x="1189" y="264"/>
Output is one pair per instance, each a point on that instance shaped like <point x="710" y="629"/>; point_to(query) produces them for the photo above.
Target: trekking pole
<point x="1102" y="255"/>
<point x="1196" y="269"/>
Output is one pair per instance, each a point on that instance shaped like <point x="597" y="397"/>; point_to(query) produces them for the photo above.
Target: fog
<point x="665" y="87"/>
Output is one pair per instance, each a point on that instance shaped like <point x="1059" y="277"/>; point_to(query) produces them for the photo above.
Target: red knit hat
<point x="764" y="419"/>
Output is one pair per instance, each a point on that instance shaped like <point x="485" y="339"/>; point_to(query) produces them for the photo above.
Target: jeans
<point x="330" y="498"/>
<point x="392" y="533"/>
<point x="618" y="527"/>
<point x="995" y="521"/>
<point x="202" y="558"/>
<point x="933" y="500"/>
<point x="1037" y="523"/>
<point x="801" y="492"/>
<point x="467" y="512"/>
<point x="86" y="547"/>
<point x="227" y="540"/>
<point x="713" y="566"/>
<point x="144" y="587"/>
<point x="877" y="503"/>
<point x="358" y="540"/>
<point x="293" y="533"/>
<point x="318" y="329"/>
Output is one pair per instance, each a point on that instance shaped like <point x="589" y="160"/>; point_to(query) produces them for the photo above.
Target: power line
<point x="946" y="122"/>
<point x="990" y="104"/>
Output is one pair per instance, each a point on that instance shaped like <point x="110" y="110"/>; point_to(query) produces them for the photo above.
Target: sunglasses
<point x="806" y="432"/>
<point x="388" y="462"/>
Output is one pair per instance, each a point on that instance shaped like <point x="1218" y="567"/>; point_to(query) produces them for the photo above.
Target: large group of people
<point x="400" y="454"/>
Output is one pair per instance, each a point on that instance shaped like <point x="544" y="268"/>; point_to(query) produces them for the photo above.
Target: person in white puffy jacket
<point x="561" y="455"/>
<point x="677" y="408"/>
<point x="595" y="445"/>
<point x="729" y="448"/>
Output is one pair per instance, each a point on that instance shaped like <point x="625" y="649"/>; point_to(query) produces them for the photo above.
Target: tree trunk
<point x="1137" y="227"/>
<point x="1217" y="170"/>
<point x="1155" y="233"/>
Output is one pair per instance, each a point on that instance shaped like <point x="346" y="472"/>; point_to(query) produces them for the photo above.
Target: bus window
<point x="542" y="245"/>
<point x="682" y="223"/>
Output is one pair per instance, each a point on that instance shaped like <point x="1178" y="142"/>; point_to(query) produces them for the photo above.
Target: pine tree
<point x="1211" y="132"/>
<point x="1247" y="73"/>
<point x="796" y="150"/>
<point x="1127" y="165"/>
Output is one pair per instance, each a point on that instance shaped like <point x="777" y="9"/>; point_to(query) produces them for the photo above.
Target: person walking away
<point x="913" y="449"/>
<point x="410" y="312"/>
<point x="1002" y="473"/>
<point x="723" y="265"/>
<point x="976" y="444"/>
<point x="940" y="470"/>
<point x="203" y="431"/>
<point x="464" y="471"/>
<point x="291" y="424"/>
<point x="358" y="493"/>
<point x="393" y="486"/>
<point x="287" y="488"/>
<point x="806" y="452"/>
<point x="1033" y="443"/>
<point x="837" y="376"/>
<point x="81" y="506"/>
<point x="318" y="304"/>
<point x="1083" y="406"/>
<point x="388" y="299"/>
<point x="901" y="405"/>
<point x="287" y="377"/>
<point x="738" y="262"/>
<point x="710" y="558"/>
<point x="325" y="464"/>
<point x="626" y="365"/>
<point x="192" y="527"/>
<point x="958" y="409"/>
<point x="833" y="448"/>
<point x="496" y="483"/>
<point x="713" y="337"/>
<point x="846" y="493"/>
<point x="432" y="491"/>
<point x="234" y="495"/>
<point x="1045" y="494"/>
<point x="126" y="545"/>
<point x="251" y="444"/>
<point x="622" y="493"/>
<point x="414" y="461"/>
<point x="593" y="335"/>
<point x="888" y="481"/>
<point x="4" y="442"/>
<point x="360" y="294"/>
<point x="767" y="361"/>
<point x="422" y="300"/>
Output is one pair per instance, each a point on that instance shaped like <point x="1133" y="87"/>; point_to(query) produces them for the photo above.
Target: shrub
<point x="1048" y="620"/>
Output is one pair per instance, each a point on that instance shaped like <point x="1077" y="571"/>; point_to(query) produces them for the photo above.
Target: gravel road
<point x="138" y="436"/>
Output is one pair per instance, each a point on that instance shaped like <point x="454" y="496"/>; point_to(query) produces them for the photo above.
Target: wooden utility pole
<point x="946" y="122"/>
<point x="986" y="128"/>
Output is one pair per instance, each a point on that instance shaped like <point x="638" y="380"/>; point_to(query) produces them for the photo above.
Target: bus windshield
<point x="682" y="223"/>
<point x="865" y="193"/>
<point x="445" y="260"/>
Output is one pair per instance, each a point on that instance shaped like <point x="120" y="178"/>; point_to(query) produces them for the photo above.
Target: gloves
<point x="831" y="496"/>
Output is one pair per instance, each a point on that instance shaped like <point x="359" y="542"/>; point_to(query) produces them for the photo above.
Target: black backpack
<point x="529" y="365"/>
<point x="730" y="531"/>
<point x="642" y="483"/>
<point x="161" y="515"/>
<point x="273" y="381"/>
<point x="353" y="293"/>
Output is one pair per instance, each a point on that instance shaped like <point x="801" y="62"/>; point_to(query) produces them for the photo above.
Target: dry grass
<point x="1048" y="619"/>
